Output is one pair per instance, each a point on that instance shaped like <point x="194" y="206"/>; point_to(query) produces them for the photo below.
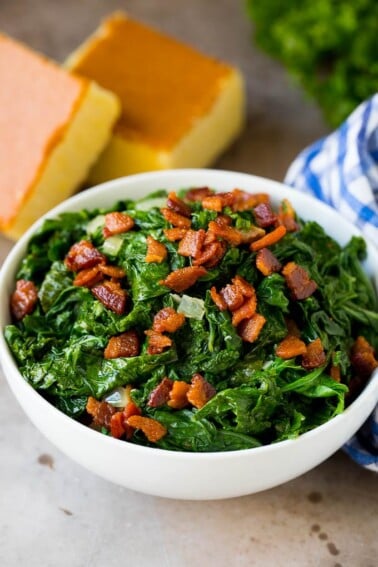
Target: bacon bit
<point x="264" y="215"/>
<point x="112" y="271"/>
<point x="298" y="281"/>
<point x="200" y="391"/>
<point x="192" y="243"/>
<point x="286" y="216"/>
<point x="335" y="373"/>
<point x="117" y="428"/>
<point x="175" y="219"/>
<point x="124" y="345"/>
<point x="244" y="201"/>
<point x="245" y="287"/>
<point x="160" y="395"/>
<point x="88" y="277"/>
<point x="100" y="411"/>
<point x="269" y="239"/>
<point x="198" y="193"/>
<point x="157" y="342"/>
<point x="117" y="223"/>
<point x="131" y="409"/>
<point x="232" y="296"/>
<point x="211" y="254"/>
<point x="249" y="329"/>
<point x="83" y="255"/>
<point x="251" y="235"/>
<point x="173" y="234"/>
<point x="292" y="328"/>
<point x="178" y="206"/>
<point x="183" y="278"/>
<point x="24" y="299"/>
<point x="213" y="203"/>
<point x="111" y="295"/>
<point x="218" y="299"/>
<point x="210" y="238"/>
<point x="314" y="355"/>
<point x="156" y="251"/>
<point x="246" y="311"/>
<point x="362" y="357"/>
<point x="153" y="429"/>
<point x="228" y="233"/>
<point x="267" y="262"/>
<point x="178" y="395"/>
<point x="223" y="220"/>
<point x="290" y="347"/>
<point x="168" y="320"/>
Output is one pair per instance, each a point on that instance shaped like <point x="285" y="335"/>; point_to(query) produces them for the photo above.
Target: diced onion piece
<point x="112" y="245"/>
<point x="148" y="204"/>
<point x="95" y="224"/>
<point x="176" y="298"/>
<point x="119" y="397"/>
<point x="191" y="307"/>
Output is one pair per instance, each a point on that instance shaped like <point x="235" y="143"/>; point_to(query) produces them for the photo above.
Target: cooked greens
<point x="260" y="398"/>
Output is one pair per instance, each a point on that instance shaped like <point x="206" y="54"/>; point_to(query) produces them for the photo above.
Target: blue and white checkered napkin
<point x="342" y="170"/>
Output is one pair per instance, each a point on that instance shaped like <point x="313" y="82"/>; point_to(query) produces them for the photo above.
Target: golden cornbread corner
<point x="180" y="108"/>
<point x="53" y="126"/>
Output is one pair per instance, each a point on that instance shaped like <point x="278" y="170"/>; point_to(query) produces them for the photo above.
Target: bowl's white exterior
<point x="177" y="474"/>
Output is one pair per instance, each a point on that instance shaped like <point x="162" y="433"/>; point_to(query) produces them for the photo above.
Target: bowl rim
<point x="75" y="203"/>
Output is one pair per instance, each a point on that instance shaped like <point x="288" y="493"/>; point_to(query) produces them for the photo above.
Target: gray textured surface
<point x="62" y="515"/>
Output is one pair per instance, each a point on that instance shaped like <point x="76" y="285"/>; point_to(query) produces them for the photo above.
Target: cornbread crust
<point x="50" y="133"/>
<point x="180" y="108"/>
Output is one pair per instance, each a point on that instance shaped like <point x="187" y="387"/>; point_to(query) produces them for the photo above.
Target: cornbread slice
<point x="179" y="108"/>
<point x="53" y="126"/>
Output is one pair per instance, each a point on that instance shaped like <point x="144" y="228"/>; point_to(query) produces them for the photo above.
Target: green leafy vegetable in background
<point x="330" y="47"/>
<point x="259" y="397"/>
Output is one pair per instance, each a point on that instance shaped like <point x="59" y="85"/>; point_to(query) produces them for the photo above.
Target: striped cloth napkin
<point x="342" y="170"/>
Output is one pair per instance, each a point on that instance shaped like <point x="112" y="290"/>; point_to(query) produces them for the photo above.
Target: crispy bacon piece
<point x="156" y="251"/>
<point x="112" y="271"/>
<point x="160" y="395"/>
<point x="174" y="234"/>
<point x="192" y="243"/>
<point x="244" y="201"/>
<point x="228" y="233"/>
<point x="183" y="278"/>
<point x="264" y="215"/>
<point x="200" y="391"/>
<point x="218" y="299"/>
<point x="298" y="281"/>
<point x="314" y="355"/>
<point x="126" y="345"/>
<point x="362" y="357"/>
<point x="269" y="239"/>
<point x="100" y="411"/>
<point x="178" y="395"/>
<point x="24" y="299"/>
<point x="130" y="409"/>
<point x="232" y="296"/>
<point x="168" y="320"/>
<point x="88" y="277"/>
<point x="249" y="329"/>
<point x="286" y="216"/>
<point x="335" y="373"/>
<point x="83" y="255"/>
<point x="245" y="311"/>
<point x="176" y="219"/>
<point x="111" y="295"/>
<point x="266" y="262"/>
<point x="117" y="425"/>
<point x="292" y="327"/>
<point x="198" y="193"/>
<point x="157" y="342"/>
<point x="152" y="428"/>
<point x="213" y="203"/>
<point x="211" y="254"/>
<point x="178" y="206"/>
<point x="245" y="287"/>
<point x="290" y="347"/>
<point x="117" y="223"/>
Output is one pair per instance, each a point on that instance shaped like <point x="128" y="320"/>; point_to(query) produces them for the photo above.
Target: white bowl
<point x="178" y="474"/>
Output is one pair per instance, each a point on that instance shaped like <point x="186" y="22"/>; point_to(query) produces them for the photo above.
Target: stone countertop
<point x="55" y="513"/>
